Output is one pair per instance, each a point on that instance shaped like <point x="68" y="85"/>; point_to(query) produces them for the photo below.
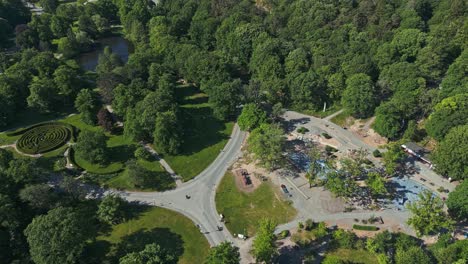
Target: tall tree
<point x="263" y="246"/>
<point x="110" y="209"/>
<point x="266" y="143"/>
<point x="152" y="254"/>
<point x="251" y="117"/>
<point x="451" y="154"/>
<point x="168" y="133"/>
<point x="428" y="215"/>
<point x="225" y="98"/>
<point x="86" y="103"/>
<point x="457" y="203"/>
<point x="59" y="236"/>
<point x="359" y="95"/>
<point x="92" y="147"/>
<point x="225" y="253"/>
<point x="43" y="94"/>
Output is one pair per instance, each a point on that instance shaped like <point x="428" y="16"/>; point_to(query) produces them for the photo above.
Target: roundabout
<point x="43" y="138"/>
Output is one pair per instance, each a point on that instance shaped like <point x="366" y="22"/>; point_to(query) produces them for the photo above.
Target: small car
<point x="285" y="190"/>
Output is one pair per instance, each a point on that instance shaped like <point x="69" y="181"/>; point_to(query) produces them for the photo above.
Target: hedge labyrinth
<point x="43" y="138"/>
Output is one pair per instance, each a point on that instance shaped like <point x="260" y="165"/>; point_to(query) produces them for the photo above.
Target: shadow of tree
<point x="137" y="241"/>
<point x="201" y="129"/>
<point x="122" y="153"/>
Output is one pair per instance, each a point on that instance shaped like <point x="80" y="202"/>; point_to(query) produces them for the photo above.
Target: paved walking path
<point x="177" y="178"/>
<point x="328" y="118"/>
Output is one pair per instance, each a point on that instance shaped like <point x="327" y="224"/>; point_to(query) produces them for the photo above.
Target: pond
<point x="119" y="46"/>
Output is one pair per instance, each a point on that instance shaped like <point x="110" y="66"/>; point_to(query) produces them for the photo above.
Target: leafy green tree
<point x="49" y="6"/>
<point x="446" y="250"/>
<point x="86" y="103"/>
<point x="457" y="202"/>
<point x="225" y="98"/>
<point x="152" y="254"/>
<point x="413" y="255"/>
<point x="408" y="43"/>
<point x="314" y="155"/>
<point x="456" y="78"/>
<point x="428" y="215"/>
<point x="393" y="158"/>
<point x="110" y="209"/>
<point x="67" y="46"/>
<point x="263" y="246"/>
<point x="142" y="153"/>
<point x="67" y="81"/>
<point x="376" y="184"/>
<point x="251" y="117"/>
<point x="168" y="133"/>
<point x="127" y="96"/>
<point x="266" y="143"/>
<point x="449" y="113"/>
<point x="307" y="89"/>
<point x="43" y="94"/>
<point x="225" y="253"/>
<point x="359" y="95"/>
<point x="59" y="236"/>
<point x="450" y="155"/>
<point x="345" y="239"/>
<point x="92" y="147"/>
<point x="340" y="184"/>
<point x="38" y="196"/>
<point x="5" y="158"/>
<point x="139" y="176"/>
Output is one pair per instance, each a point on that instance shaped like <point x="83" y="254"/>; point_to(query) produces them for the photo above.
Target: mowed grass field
<point x="353" y="256"/>
<point x="204" y="135"/>
<point x="171" y="230"/>
<point x="244" y="210"/>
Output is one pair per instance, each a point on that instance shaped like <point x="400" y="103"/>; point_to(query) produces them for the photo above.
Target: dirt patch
<point x="362" y="128"/>
<point x="238" y="175"/>
<point x="330" y="203"/>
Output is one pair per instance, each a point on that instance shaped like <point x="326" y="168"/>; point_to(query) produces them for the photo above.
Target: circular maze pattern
<point x="43" y="138"/>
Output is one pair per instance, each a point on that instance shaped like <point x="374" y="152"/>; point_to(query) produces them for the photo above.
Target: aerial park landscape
<point x="233" y="131"/>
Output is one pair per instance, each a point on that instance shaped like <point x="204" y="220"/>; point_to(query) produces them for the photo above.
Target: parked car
<point x="285" y="189"/>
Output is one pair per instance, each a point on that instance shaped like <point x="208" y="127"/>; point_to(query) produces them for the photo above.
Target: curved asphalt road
<point x="200" y="208"/>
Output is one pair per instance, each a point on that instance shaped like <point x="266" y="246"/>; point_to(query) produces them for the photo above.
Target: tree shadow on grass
<point x="183" y="92"/>
<point x="122" y="153"/>
<point x="137" y="241"/>
<point x="201" y="130"/>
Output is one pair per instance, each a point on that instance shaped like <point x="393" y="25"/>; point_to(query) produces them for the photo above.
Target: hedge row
<point x="365" y="228"/>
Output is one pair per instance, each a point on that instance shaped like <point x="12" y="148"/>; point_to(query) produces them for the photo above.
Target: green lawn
<point x="164" y="180"/>
<point x="354" y="255"/>
<point x="340" y="119"/>
<point x="171" y="230"/>
<point x="244" y="210"/>
<point x="204" y="135"/>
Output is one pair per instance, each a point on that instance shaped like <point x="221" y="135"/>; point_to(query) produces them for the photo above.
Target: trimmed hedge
<point x="365" y="228"/>
<point x="43" y="138"/>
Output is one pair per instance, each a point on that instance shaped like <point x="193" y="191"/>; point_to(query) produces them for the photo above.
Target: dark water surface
<point x="119" y="46"/>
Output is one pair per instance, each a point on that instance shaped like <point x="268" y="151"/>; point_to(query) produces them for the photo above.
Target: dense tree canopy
<point x="428" y="216"/>
<point x="59" y="236"/>
<point x="451" y="155"/>
<point x="266" y="143"/>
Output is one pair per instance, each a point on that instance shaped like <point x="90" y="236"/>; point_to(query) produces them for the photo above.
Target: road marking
<point x="307" y="197"/>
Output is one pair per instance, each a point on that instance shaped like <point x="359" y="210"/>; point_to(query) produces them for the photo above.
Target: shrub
<point x="326" y="135"/>
<point x="376" y="153"/>
<point x="300" y="225"/>
<point x="283" y="234"/>
<point x="302" y="130"/>
<point x="309" y="224"/>
<point x="365" y="228"/>
<point x="142" y="153"/>
<point x="330" y="149"/>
